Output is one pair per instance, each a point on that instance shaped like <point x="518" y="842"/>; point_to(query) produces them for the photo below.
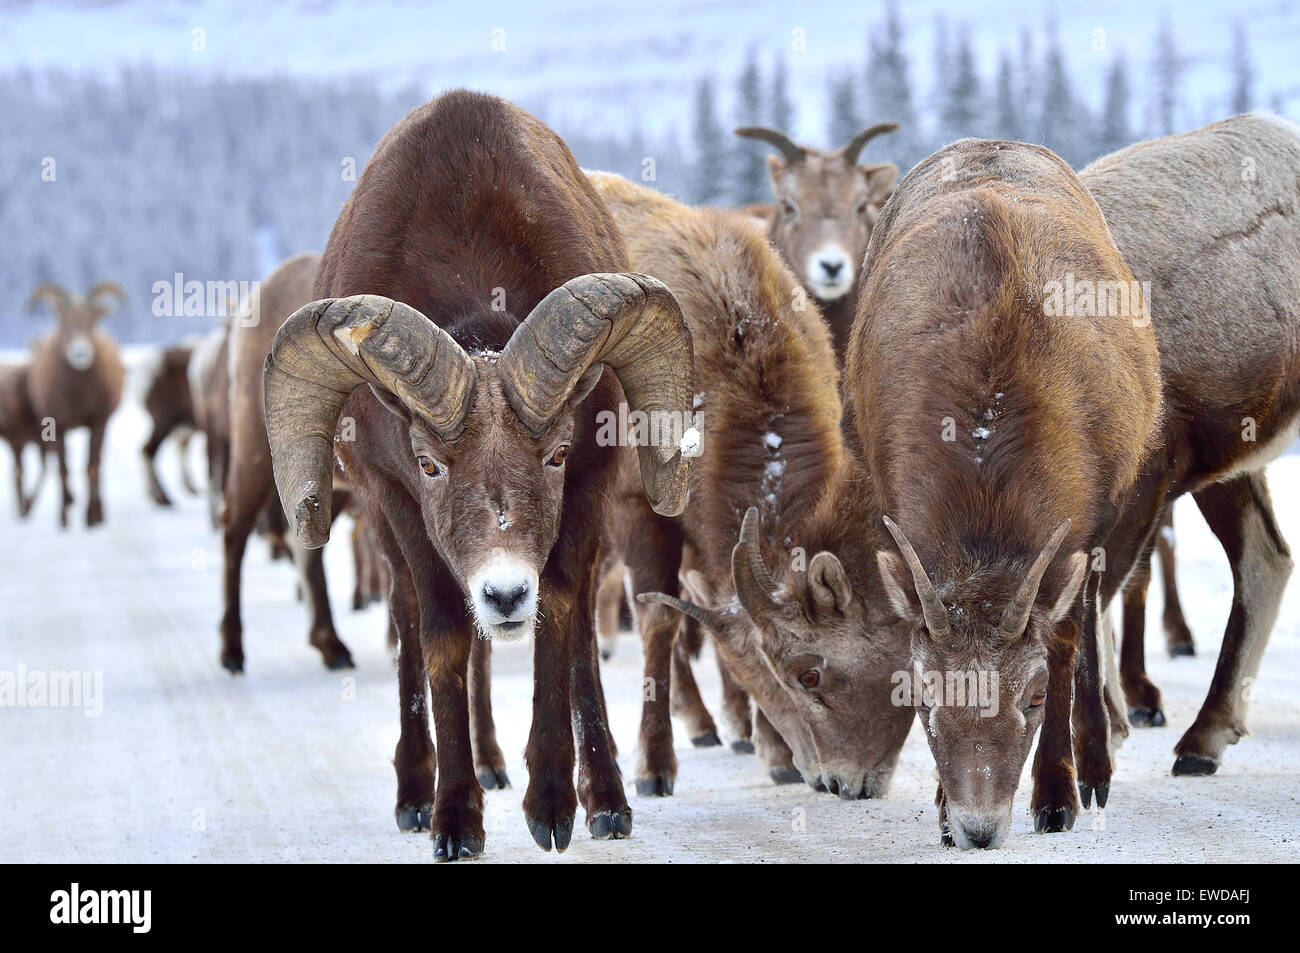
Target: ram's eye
<point x="559" y="456"/>
<point x="810" y="679"/>
<point x="1039" y="698"/>
<point x="862" y="209"/>
<point x="428" y="465"/>
<point x="788" y="207"/>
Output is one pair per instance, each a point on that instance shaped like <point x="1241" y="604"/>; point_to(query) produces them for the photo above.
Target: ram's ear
<point x="829" y="585"/>
<point x="395" y="406"/>
<point x="900" y="590"/>
<point x="880" y="182"/>
<point x="1078" y="564"/>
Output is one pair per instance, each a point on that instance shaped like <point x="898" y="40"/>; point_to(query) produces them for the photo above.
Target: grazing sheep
<point x="1002" y="427"/>
<point x="1211" y="220"/>
<point x="19" y="426"/>
<point x="249" y="490"/>
<point x="208" y="374"/>
<point x="770" y="419"/>
<point x="76" y="381"/>
<point x="171" y="409"/>
<point x="477" y="318"/>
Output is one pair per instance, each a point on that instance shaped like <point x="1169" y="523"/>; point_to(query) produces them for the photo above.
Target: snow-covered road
<point x="291" y="762"/>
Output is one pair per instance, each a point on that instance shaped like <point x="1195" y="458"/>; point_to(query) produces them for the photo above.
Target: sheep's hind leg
<point x="1240" y="513"/>
<point x="489" y="762"/>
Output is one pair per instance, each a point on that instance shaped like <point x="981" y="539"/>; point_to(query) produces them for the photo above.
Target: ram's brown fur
<point x="1048" y="418"/>
<point x="764" y="365"/>
<point x="74" y="397"/>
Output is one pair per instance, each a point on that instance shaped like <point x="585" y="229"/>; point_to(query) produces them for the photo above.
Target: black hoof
<point x="235" y="666"/>
<point x="1086" y="791"/>
<point x="654" y="787"/>
<point x="339" y="662"/>
<point x="611" y="825"/>
<point x="492" y="780"/>
<point x="1194" y="764"/>
<point x="710" y="740"/>
<point x="1054" y="820"/>
<point x="1146" y="717"/>
<point x="945" y="840"/>
<point x="742" y="746"/>
<point x="543" y="834"/>
<point x="785" y="775"/>
<point x="1186" y="651"/>
<point x="411" y="819"/>
<point x="446" y="847"/>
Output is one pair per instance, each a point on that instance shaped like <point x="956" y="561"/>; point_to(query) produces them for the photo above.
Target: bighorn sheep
<point x="19" y="426"/>
<point x="770" y="416"/>
<point x="476" y="321"/>
<point x="826" y="206"/>
<point x="249" y="485"/>
<point x="170" y="406"/>
<point x="1211" y="220"/>
<point x="1003" y="428"/>
<point x="76" y="381"/>
<point x="209" y="380"/>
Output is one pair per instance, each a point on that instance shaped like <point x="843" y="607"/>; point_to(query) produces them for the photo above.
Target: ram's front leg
<point x="550" y="802"/>
<point x="457" y="825"/>
<point x="1055" y="801"/>
<point x="1092" y="728"/>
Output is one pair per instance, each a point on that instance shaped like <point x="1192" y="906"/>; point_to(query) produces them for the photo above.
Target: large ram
<point x="475" y="320"/>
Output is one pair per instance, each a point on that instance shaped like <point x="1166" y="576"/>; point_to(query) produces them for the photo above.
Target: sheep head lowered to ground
<point x="1002" y="434"/>
<point x="490" y="432"/>
<point x="770" y="413"/>
<point x="826" y="206"/>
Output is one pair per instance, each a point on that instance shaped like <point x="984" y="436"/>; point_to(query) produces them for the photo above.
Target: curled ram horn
<point x="320" y="355"/>
<point x="631" y="324"/>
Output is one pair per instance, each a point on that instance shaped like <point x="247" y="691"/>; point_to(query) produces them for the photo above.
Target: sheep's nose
<point x="505" y="600"/>
<point x="832" y="268"/>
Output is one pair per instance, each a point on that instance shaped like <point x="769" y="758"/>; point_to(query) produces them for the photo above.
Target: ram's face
<point x="492" y="502"/>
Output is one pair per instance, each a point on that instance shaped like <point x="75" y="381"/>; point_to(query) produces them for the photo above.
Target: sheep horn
<point x="754" y="585"/>
<point x="1016" y="615"/>
<point x="932" y="607"/>
<point x="320" y="355"/>
<point x="706" y="617"/>
<point x="631" y="324"/>
<point x="58" y="298"/>
<point x="850" y="152"/>
<point x="772" y="137"/>
<point x="107" y="287"/>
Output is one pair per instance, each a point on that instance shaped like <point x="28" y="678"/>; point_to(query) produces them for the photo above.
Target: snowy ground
<point x="291" y="762"/>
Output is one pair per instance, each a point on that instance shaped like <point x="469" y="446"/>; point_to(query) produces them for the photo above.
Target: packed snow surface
<point x="291" y="762"/>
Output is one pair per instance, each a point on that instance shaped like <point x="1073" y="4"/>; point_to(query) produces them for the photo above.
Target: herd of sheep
<point x="895" y="447"/>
